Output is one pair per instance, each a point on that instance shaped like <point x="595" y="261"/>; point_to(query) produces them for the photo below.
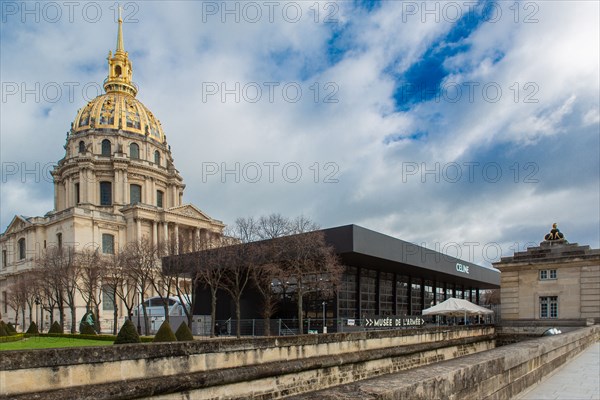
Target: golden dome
<point x="115" y="110"/>
<point x="118" y="108"/>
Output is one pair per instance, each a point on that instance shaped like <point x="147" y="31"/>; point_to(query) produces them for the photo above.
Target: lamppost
<point x="37" y="314"/>
<point x="324" y="327"/>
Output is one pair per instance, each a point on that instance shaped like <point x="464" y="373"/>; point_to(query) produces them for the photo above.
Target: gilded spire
<point x="120" y="70"/>
<point x="120" y="47"/>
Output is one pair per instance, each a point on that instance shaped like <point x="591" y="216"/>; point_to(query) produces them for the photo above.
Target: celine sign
<point x="462" y="268"/>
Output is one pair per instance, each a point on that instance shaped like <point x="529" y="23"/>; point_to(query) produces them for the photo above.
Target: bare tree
<point x="92" y="271"/>
<point x="114" y="277"/>
<point x="141" y="260"/>
<point x="243" y="257"/>
<point x="491" y="296"/>
<point x="273" y="226"/>
<point x="263" y="276"/>
<point x="17" y="299"/>
<point x="122" y="284"/>
<point x="210" y="267"/>
<point x="50" y="266"/>
<point x="308" y="261"/>
<point x="61" y="270"/>
<point x="185" y="278"/>
<point x="162" y="281"/>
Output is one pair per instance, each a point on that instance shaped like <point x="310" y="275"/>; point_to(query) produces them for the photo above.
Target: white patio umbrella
<point x="456" y="308"/>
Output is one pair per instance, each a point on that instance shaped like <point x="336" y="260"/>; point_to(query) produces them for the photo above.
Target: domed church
<point x="116" y="184"/>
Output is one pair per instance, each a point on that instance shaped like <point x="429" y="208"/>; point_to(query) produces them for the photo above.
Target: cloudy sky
<point x="462" y="126"/>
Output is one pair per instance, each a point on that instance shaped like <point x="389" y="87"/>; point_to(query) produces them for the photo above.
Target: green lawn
<point x="50" y="343"/>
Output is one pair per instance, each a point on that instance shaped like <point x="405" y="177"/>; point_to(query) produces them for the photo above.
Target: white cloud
<point x="177" y="50"/>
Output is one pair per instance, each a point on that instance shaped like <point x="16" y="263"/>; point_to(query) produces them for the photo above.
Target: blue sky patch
<point x="421" y="82"/>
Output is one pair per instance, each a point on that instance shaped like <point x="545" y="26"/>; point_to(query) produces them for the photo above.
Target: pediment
<point x="189" y="210"/>
<point x="17" y="224"/>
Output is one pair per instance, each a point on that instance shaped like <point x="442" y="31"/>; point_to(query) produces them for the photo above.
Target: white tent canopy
<point x="456" y="308"/>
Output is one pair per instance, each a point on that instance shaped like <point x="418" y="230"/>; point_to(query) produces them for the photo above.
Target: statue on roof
<point x="554" y="234"/>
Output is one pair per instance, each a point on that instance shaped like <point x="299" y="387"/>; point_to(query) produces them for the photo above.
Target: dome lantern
<point x="120" y="70"/>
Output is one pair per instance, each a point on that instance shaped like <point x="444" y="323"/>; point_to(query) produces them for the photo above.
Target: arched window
<point x="135" y="194"/>
<point x="22" y="248"/>
<point x="105" y="193"/>
<point x="106" y="148"/>
<point x="134" y="151"/>
<point x="82" y="147"/>
<point x="157" y="157"/>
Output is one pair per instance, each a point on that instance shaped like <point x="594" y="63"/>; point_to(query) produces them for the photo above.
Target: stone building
<point x="117" y="183"/>
<point x="557" y="280"/>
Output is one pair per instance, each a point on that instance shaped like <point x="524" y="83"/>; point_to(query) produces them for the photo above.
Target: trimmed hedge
<point x="127" y="334"/>
<point x="33" y="329"/>
<point x="184" y="333"/>
<point x="108" y="338"/>
<point x="86" y="329"/>
<point x="56" y="328"/>
<point x="3" y="330"/>
<point x="12" y="338"/>
<point x="11" y="329"/>
<point x="165" y="334"/>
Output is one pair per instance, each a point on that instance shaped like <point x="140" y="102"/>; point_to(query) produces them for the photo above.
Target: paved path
<point x="579" y="379"/>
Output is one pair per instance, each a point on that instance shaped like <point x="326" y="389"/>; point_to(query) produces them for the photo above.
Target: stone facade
<point x="116" y="184"/>
<point x="261" y="368"/>
<point x="554" y="281"/>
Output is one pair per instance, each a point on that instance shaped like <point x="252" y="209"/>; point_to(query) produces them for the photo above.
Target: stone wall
<point x="230" y="368"/>
<point x="497" y="374"/>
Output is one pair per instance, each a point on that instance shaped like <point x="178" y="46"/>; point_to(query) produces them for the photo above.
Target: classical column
<point x="125" y="188"/>
<point x="176" y="233"/>
<point x="82" y="186"/>
<point x="119" y="198"/>
<point x="138" y="229"/>
<point x="166" y="232"/>
<point x="67" y="192"/>
<point x="154" y="233"/>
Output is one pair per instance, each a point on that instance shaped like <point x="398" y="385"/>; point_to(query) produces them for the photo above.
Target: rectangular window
<point x="105" y="193"/>
<point x="21" y="244"/>
<point x="546" y="274"/>
<point x="135" y="194"/>
<point x="159" y="199"/>
<point x="59" y="240"/>
<point x="402" y="295"/>
<point x="368" y="292"/>
<point x="5" y="302"/>
<point x="4" y="259"/>
<point x="108" y="298"/>
<point x="347" y="293"/>
<point x="386" y="293"/>
<point x="77" y="198"/>
<point x="549" y="307"/>
<point x="108" y="244"/>
<point x="415" y="296"/>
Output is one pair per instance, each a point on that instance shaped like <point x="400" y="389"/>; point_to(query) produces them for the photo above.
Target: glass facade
<point x="428" y="291"/>
<point x="415" y="296"/>
<point x="401" y="295"/>
<point x="440" y="293"/>
<point x="347" y="294"/>
<point x="386" y="294"/>
<point x="368" y="292"/>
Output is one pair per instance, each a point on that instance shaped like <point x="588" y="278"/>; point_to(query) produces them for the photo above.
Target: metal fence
<point x="203" y="326"/>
